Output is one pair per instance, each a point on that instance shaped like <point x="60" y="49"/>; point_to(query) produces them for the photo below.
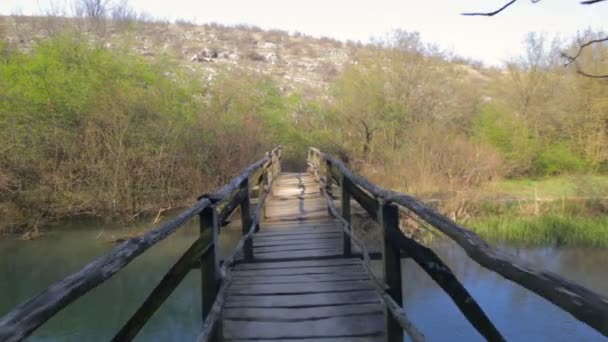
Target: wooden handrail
<point x="585" y="305"/>
<point x="28" y="316"/>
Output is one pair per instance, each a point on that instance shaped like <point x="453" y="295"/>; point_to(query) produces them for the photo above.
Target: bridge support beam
<point x="388" y="218"/>
<point x="246" y="220"/>
<point x="345" y="185"/>
<point x="210" y="279"/>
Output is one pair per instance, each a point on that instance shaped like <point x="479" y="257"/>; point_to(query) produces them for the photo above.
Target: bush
<point x="559" y="158"/>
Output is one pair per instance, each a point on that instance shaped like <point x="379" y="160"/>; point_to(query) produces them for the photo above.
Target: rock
<point x="271" y="58"/>
<point x="267" y="45"/>
<point x="200" y="58"/>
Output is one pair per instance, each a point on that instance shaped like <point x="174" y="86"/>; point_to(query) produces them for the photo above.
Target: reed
<point x="547" y="229"/>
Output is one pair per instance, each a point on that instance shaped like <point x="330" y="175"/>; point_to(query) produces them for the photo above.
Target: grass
<point x="548" y="229"/>
<point x="552" y="187"/>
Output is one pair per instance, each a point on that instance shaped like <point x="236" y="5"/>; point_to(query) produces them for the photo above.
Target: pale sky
<point x="489" y="39"/>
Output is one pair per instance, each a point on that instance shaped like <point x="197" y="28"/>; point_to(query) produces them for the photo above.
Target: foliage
<point x="88" y="130"/>
<point x="551" y="229"/>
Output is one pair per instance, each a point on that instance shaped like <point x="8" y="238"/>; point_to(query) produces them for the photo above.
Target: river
<point x="27" y="267"/>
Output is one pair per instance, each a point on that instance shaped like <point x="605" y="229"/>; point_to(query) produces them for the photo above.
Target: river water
<point x="27" y="267"/>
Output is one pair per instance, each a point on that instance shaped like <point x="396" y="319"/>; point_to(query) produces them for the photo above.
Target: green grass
<point x="549" y="229"/>
<point x="552" y="187"/>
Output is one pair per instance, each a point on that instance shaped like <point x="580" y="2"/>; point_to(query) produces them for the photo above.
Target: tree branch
<point x="578" y="70"/>
<point x="490" y="14"/>
<point x="591" y="2"/>
<point x="573" y="59"/>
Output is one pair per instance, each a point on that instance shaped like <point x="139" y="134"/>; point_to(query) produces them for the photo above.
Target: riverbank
<point x="544" y="230"/>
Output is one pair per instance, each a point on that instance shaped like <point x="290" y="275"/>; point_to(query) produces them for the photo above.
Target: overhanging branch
<point x="493" y="13"/>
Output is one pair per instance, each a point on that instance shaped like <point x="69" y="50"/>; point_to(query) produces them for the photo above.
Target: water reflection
<point x="517" y="313"/>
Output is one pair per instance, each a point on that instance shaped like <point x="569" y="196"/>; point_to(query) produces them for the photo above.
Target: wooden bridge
<point x="299" y="273"/>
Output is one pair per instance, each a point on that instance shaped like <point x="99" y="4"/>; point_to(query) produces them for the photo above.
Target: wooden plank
<point x="286" y="315"/>
<point x="299" y="243"/>
<point x="321" y="245"/>
<point x="300" y="254"/>
<point x="299" y="288"/>
<point x="303" y="263"/>
<point x="328" y="327"/>
<point x="300" y="278"/>
<point x="298" y="231"/>
<point x="301" y="300"/>
<point x="302" y="270"/>
<point x="301" y="224"/>
<point x="297" y="237"/>
<point x="329" y="339"/>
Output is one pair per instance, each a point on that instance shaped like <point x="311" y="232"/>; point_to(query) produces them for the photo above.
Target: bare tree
<point x="94" y="9"/>
<point x="571" y="59"/>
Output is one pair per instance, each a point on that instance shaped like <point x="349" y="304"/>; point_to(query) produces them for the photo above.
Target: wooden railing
<point x="385" y="206"/>
<point x="213" y="209"/>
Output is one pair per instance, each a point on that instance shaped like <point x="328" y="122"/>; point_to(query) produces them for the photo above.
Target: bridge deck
<point x="300" y="286"/>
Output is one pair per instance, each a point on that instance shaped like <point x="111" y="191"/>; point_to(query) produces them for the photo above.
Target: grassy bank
<point x="547" y="229"/>
<point x="556" y="187"/>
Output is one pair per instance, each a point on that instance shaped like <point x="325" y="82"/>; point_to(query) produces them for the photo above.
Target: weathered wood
<point x="161" y="292"/>
<point x="212" y="327"/>
<point x="299" y="238"/>
<point x="378" y="338"/>
<point x="297" y="264"/>
<point x="303" y="300"/>
<point x="318" y="246"/>
<point x="210" y="278"/>
<point x="582" y="303"/>
<point x="341" y="269"/>
<point x="286" y="255"/>
<point x="388" y="218"/>
<point x="230" y="205"/>
<point x="345" y="186"/>
<point x="303" y="313"/>
<point x="393" y="308"/>
<point x="355" y="326"/>
<point x="445" y="278"/>
<point x="298" y="288"/>
<point x="330" y="240"/>
<point x="246" y="221"/>
<point x="212" y="324"/>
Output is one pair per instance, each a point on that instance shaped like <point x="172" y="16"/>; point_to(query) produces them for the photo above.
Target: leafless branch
<point x="591" y="2"/>
<point x="573" y="59"/>
<point x="582" y="47"/>
<point x="489" y="14"/>
<point x="580" y="71"/>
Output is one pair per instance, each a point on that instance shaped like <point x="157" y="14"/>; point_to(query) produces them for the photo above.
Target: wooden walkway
<point x="300" y="287"/>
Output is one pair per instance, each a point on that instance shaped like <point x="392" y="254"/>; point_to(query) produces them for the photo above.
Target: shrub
<point x="559" y="158"/>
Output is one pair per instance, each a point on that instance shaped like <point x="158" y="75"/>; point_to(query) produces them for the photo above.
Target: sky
<point x="492" y="40"/>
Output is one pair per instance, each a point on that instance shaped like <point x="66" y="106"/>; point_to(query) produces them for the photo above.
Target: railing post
<point x="345" y="185"/>
<point x="328" y="178"/>
<point x="246" y="220"/>
<point x="210" y="279"/>
<point x="263" y="187"/>
<point x="388" y="218"/>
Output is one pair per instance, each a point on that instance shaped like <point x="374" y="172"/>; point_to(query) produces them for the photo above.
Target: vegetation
<point x="89" y="126"/>
<point x="551" y="229"/>
<point x="92" y="131"/>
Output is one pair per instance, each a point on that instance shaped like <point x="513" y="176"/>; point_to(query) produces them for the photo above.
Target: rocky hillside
<point x="295" y="61"/>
